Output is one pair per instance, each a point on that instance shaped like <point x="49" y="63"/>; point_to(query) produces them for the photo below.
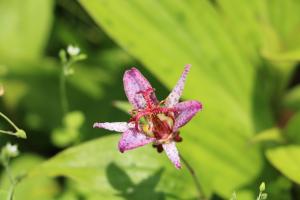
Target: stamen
<point x="161" y="119"/>
<point x="139" y="116"/>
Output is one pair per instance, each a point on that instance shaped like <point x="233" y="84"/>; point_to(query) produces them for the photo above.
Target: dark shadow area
<point x="295" y="80"/>
<point x="121" y="182"/>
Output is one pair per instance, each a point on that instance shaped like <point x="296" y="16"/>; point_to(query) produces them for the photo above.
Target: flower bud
<point x="262" y="187"/>
<point x="21" y="134"/>
<point x="10" y="150"/>
<point x="73" y="50"/>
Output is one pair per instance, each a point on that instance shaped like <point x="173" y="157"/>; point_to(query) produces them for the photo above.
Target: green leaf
<point x="287" y="160"/>
<point x="3" y="194"/>
<point x="35" y="188"/>
<point x="273" y="134"/>
<point x="292" y="130"/>
<point x="289" y="56"/>
<point x="292" y="99"/>
<point x="285" y="19"/>
<point x="123" y="106"/>
<point x="189" y="44"/>
<point x="165" y="35"/>
<point x="74" y="120"/>
<point x="281" y="27"/>
<point x="70" y="131"/>
<point x="140" y="174"/>
<point x="27" y="24"/>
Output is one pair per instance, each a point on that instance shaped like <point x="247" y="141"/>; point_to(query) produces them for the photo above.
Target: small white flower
<point x="73" y="50"/>
<point x="11" y="150"/>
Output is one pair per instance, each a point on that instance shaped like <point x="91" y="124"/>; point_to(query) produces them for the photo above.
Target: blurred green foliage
<point x="244" y="56"/>
<point x="34" y="188"/>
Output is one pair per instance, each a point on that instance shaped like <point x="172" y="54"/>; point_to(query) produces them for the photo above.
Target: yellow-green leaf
<point x="138" y="174"/>
<point x="287" y="160"/>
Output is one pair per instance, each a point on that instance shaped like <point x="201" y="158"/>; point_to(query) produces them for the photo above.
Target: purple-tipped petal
<point x="114" y="126"/>
<point x="132" y="139"/>
<point x="135" y="82"/>
<point x="185" y="112"/>
<point x="172" y="153"/>
<point x="176" y="93"/>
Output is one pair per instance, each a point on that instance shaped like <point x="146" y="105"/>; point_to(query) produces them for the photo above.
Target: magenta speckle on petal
<point x="134" y="83"/>
<point x="172" y="153"/>
<point x="132" y="139"/>
<point x="114" y="126"/>
<point x="185" y="112"/>
<point x="176" y="93"/>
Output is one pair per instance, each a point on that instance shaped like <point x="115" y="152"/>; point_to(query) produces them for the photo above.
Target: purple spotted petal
<point x="114" y="126"/>
<point x="135" y="82"/>
<point x="176" y="93"/>
<point x="132" y="139"/>
<point x="172" y="153"/>
<point x="185" y="112"/>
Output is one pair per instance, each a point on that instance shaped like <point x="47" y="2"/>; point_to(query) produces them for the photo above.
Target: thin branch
<point x="8" y="132"/>
<point x="194" y="176"/>
<point x="9" y="121"/>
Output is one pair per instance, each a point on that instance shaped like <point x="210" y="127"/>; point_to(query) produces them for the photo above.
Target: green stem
<point x="259" y="196"/>
<point x="195" y="179"/>
<point x="11" y="191"/>
<point x="9" y="121"/>
<point x="66" y="63"/>
<point x="63" y="91"/>
<point x="9" y="174"/>
<point x="8" y="132"/>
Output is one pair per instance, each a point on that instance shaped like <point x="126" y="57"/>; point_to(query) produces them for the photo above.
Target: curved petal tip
<point x="188" y="65"/>
<point x="172" y="153"/>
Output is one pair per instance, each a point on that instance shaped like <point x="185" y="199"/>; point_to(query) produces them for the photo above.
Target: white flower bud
<point x="73" y="50"/>
<point x="262" y="187"/>
<point x="11" y="150"/>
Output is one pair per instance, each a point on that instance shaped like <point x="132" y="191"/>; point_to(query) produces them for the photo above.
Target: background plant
<point x="244" y="54"/>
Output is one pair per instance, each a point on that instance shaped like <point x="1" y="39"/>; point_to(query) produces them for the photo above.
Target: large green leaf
<point x="25" y="26"/>
<point x="285" y="19"/>
<point x="99" y="167"/>
<point x="287" y="160"/>
<point x="3" y="194"/>
<point x="200" y="39"/>
<point x="165" y="35"/>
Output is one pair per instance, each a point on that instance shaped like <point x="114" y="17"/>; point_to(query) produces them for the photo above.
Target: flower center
<point x="158" y="125"/>
<point x="154" y="120"/>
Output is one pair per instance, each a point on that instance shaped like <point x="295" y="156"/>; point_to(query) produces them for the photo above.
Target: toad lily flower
<point x="153" y="121"/>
